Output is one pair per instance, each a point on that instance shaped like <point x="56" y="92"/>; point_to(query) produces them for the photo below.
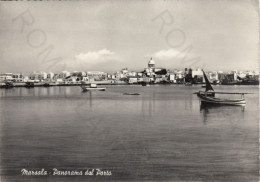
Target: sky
<point x="114" y="34"/>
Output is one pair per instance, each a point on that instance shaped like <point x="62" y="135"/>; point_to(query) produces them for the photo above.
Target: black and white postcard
<point x="121" y="90"/>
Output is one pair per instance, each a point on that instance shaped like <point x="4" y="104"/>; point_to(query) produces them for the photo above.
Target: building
<point x="188" y="75"/>
<point x="227" y="78"/>
<point x="150" y="71"/>
<point x="64" y="74"/>
<point x="6" y="77"/>
<point x="151" y="64"/>
<point x="197" y="76"/>
<point x="50" y="76"/>
<point x="133" y="80"/>
<point x="198" y="72"/>
<point x="213" y="76"/>
<point x="172" y="78"/>
<point x="78" y="73"/>
<point x="179" y="74"/>
<point x="241" y="74"/>
<point x="97" y="75"/>
<point x="38" y="76"/>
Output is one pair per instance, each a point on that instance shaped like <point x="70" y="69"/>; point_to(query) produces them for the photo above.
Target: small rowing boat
<point x="29" y="85"/>
<point x="7" y="85"/>
<point x="131" y="94"/>
<point x="92" y="87"/>
<point x="188" y="84"/>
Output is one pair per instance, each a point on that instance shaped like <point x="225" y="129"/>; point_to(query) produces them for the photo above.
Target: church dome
<point x="151" y="62"/>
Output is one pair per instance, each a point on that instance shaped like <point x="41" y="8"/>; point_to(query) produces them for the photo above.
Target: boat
<point x="46" y="85"/>
<point x="207" y="97"/>
<point x="188" y="84"/>
<point x="144" y="83"/>
<point x="7" y="85"/>
<point x="29" y="84"/>
<point x="92" y="87"/>
<point x="205" y="100"/>
<point x="131" y="94"/>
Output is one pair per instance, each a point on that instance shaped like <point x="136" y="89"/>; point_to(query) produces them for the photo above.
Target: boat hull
<point x="209" y="94"/>
<point x="131" y="93"/>
<point x="216" y="101"/>
<point x="92" y="89"/>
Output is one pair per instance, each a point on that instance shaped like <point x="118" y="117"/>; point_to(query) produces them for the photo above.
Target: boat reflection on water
<point x="209" y="112"/>
<point x="89" y="98"/>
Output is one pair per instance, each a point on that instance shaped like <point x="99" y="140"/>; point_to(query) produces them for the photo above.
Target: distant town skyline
<point x="110" y="35"/>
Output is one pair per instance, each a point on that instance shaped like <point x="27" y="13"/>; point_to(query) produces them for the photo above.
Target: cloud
<point x="93" y="60"/>
<point x="95" y="55"/>
<point x="167" y="54"/>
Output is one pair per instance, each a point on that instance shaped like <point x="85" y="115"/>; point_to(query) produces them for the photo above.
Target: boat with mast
<point x="207" y="97"/>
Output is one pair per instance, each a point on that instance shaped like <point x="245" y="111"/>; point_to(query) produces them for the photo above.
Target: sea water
<point x="161" y="134"/>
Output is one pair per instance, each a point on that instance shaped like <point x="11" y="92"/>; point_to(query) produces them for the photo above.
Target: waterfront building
<point x="124" y="73"/>
<point x="241" y="74"/>
<point x="71" y="79"/>
<point x="232" y="76"/>
<point x="132" y="74"/>
<point x="113" y="77"/>
<point x="213" y="76"/>
<point x="56" y="76"/>
<point x="97" y="75"/>
<point x="198" y="72"/>
<point x="109" y="76"/>
<point x="38" y="76"/>
<point x="11" y="77"/>
<point x="221" y="76"/>
<point x="188" y="75"/>
<point x="87" y="79"/>
<point x="6" y="77"/>
<point x="179" y="74"/>
<point x="149" y="72"/>
<point x="252" y="75"/>
<point x="228" y="78"/>
<point x="139" y="74"/>
<point x="83" y="73"/>
<point x="133" y="80"/>
<point x="197" y="76"/>
<point x="43" y="75"/>
<point x="148" y="79"/>
<point x="64" y="74"/>
<point x="59" y="81"/>
<point x="50" y="75"/>
<point x="140" y="79"/>
<point x="78" y="73"/>
<point x="187" y="71"/>
<point x="172" y="78"/>
<point x="160" y="78"/>
<point x="26" y="78"/>
<point x="17" y="77"/>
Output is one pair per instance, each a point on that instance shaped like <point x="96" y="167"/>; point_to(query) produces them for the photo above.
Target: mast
<point x="208" y="85"/>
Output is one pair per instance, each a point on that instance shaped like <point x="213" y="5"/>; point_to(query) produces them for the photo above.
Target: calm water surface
<point x="161" y="135"/>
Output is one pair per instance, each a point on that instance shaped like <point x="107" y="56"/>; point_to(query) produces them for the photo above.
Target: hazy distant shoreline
<point x="108" y="84"/>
